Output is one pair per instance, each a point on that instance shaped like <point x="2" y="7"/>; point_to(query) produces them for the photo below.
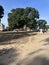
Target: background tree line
<point x="20" y="17"/>
<point x="29" y="17"/>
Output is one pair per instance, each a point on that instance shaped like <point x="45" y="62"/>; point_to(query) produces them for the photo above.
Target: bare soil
<point x="27" y="50"/>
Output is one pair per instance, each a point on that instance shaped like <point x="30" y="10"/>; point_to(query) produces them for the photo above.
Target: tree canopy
<point x="1" y="12"/>
<point x="47" y="26"/>
<point x="19" y="17"/>
<point x="28" y="17"/>
<point x="42" y="24"/>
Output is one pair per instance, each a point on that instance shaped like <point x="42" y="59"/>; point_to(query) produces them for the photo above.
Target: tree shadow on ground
<point x="29" y="60"/>
<point x="8" y="56"/>
<point x="47" y="41"/>
<point x="36" y="51"/>
<point x="38" y="60"/>
<point x="5" y="38"/>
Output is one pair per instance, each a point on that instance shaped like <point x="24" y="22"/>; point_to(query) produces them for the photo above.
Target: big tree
<point x="19" y="17"/>
<point x="1" y="12"/>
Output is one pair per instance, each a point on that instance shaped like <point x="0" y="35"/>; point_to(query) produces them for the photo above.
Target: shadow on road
<point x="38" y="60"/>
<point x="34" y="60"/>
<point x="8" y="56"/>
<point x="47" y="41"/>
<point x="35" y="52"/>
<point x="5" y="38"/>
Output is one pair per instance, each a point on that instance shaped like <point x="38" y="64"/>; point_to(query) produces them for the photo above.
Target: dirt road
<point x="30" y="50"/>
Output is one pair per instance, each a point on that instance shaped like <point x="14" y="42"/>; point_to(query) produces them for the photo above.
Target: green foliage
<point x="1" y="12"/>
<point x="42" y="24"/>
<point x="20" y="17"/>
<point x="47" y="26"/>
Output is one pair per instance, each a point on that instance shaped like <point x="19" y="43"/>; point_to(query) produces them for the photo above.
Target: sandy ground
<point x="31" y="50"/>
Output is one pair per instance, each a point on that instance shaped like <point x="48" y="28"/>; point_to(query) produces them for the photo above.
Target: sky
<point x="41" y="5"/>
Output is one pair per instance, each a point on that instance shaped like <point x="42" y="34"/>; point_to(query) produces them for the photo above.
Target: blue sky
<point x="41" y="5"/>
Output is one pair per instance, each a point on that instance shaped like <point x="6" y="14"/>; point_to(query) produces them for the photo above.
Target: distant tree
<point x="1" y="12"/>
<point x="42" y="24"/>
<point x="47" y="26"/>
